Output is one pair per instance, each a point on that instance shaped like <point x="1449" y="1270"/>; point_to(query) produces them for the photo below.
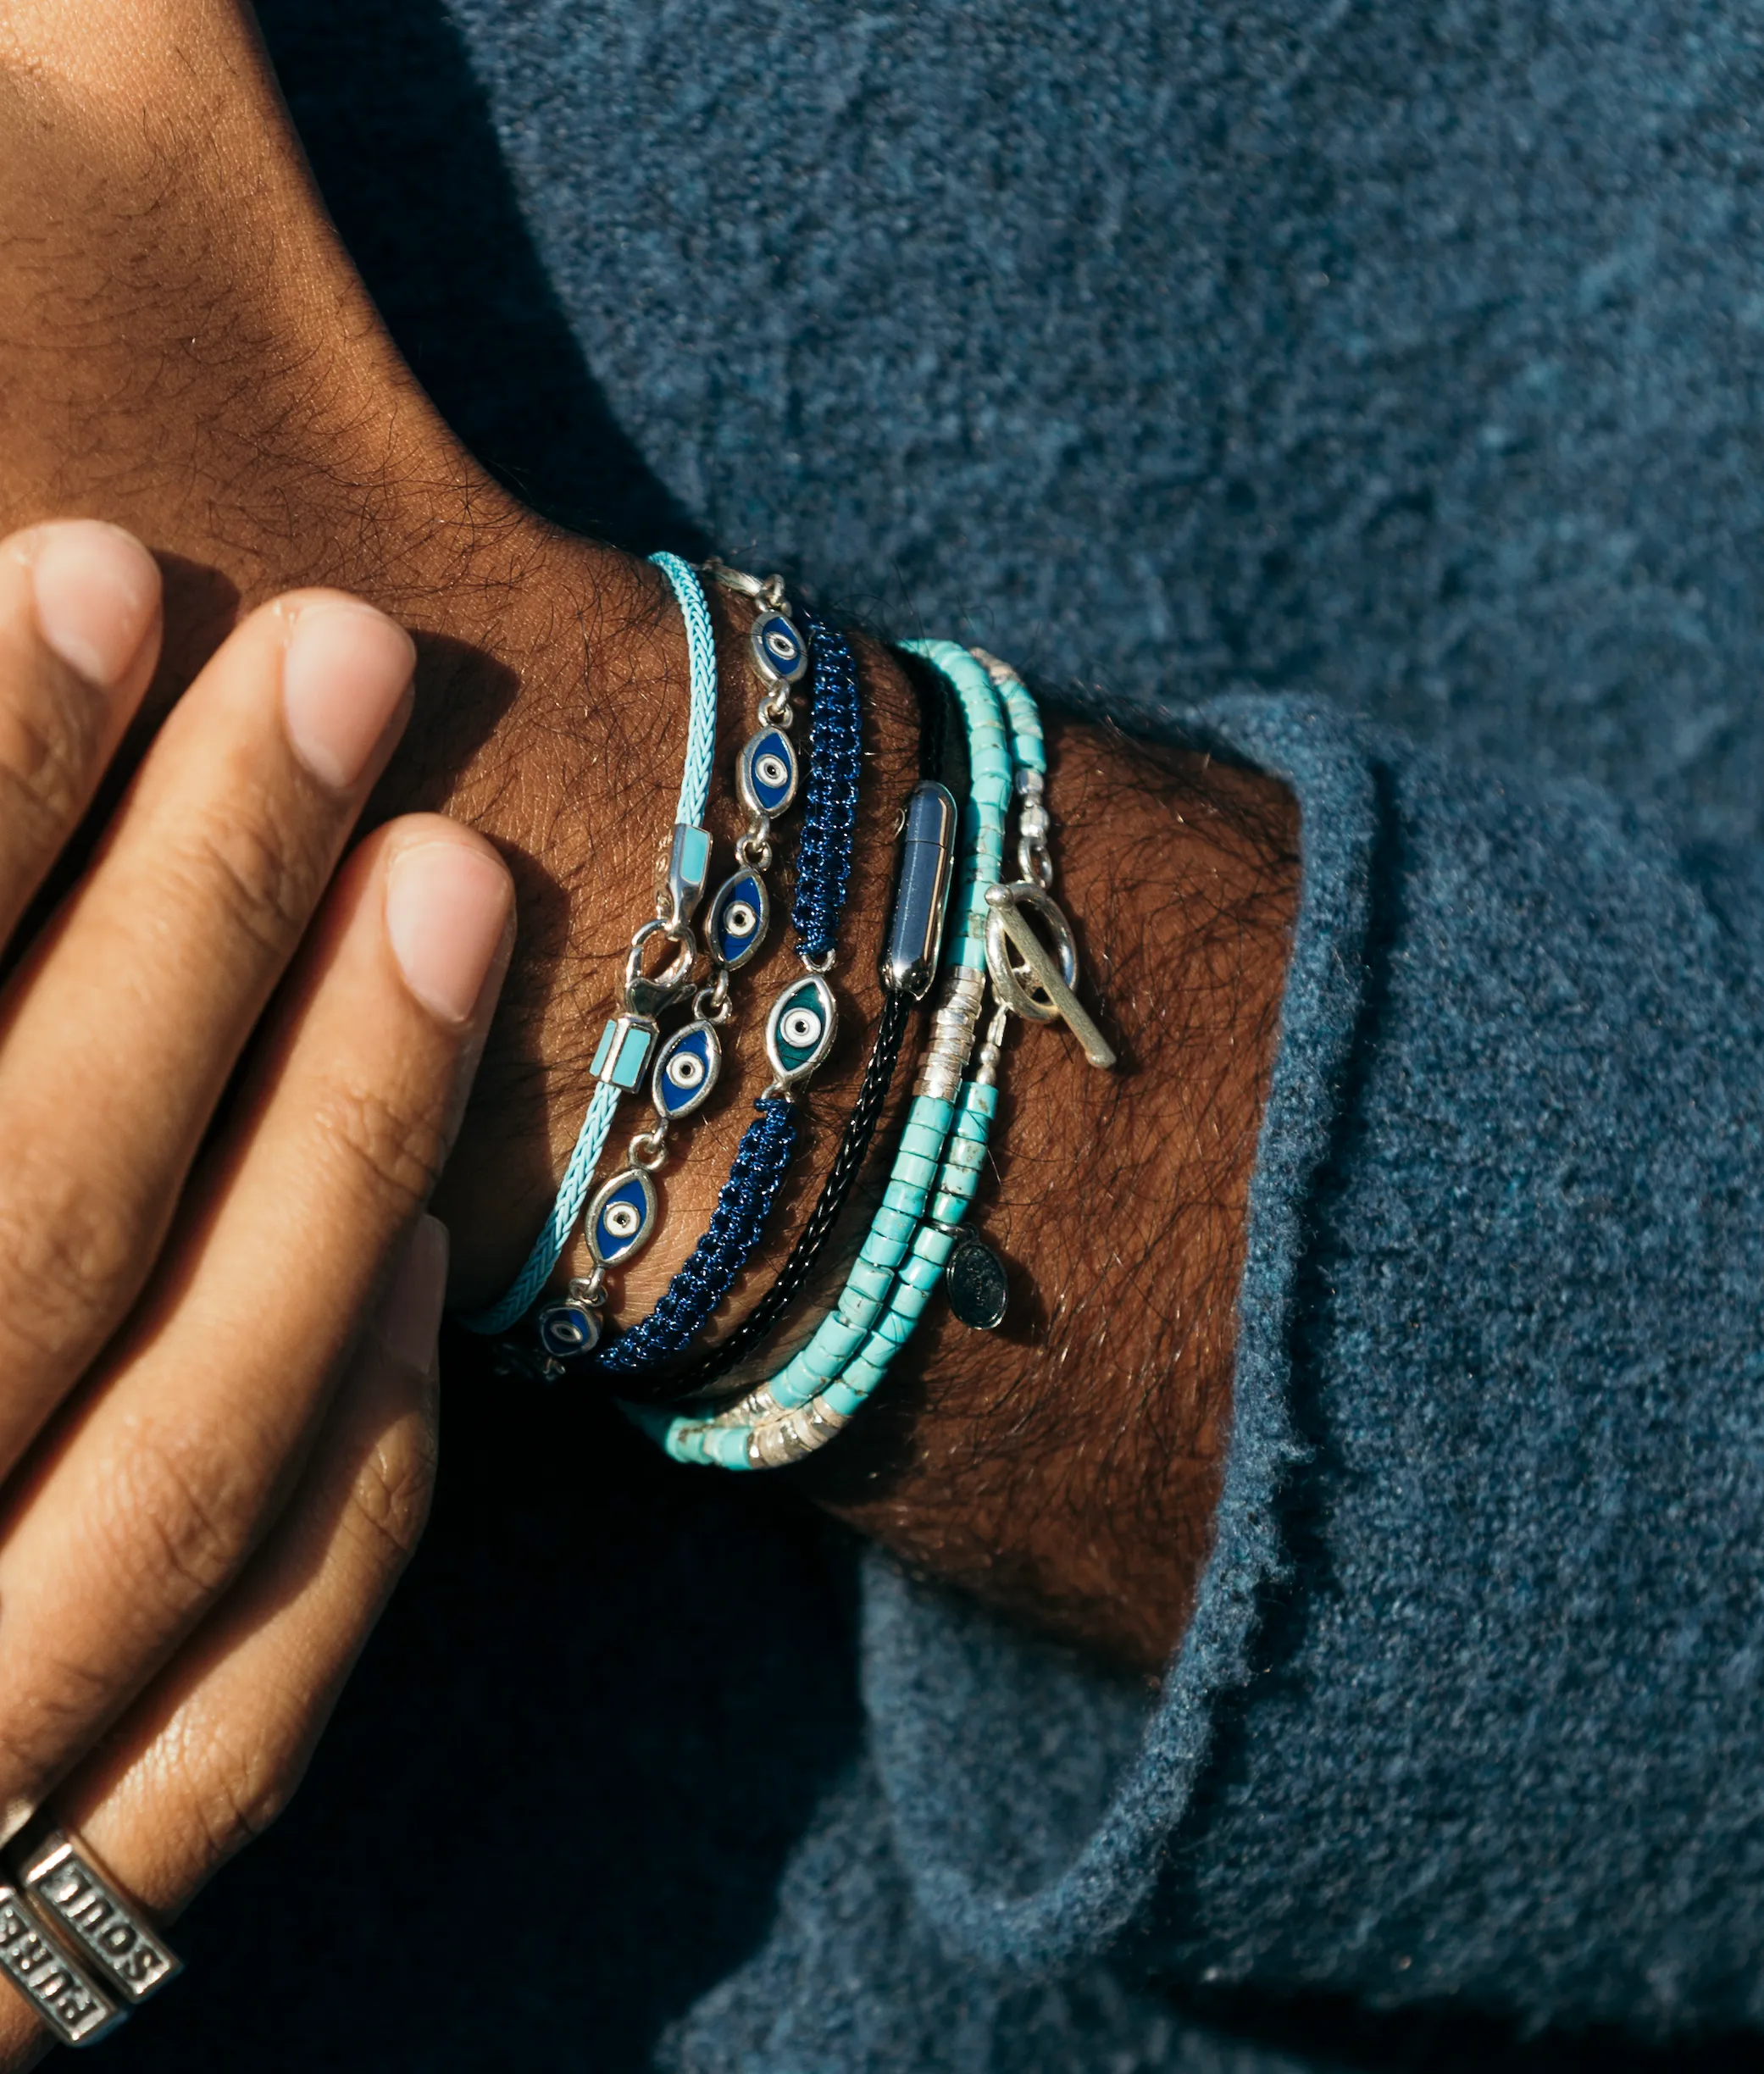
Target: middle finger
<point x="120" y="1031"/>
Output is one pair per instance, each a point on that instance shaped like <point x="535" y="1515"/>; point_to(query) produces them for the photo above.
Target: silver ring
<point x="63" y="1998"/>
<point x="88" y="1912"/>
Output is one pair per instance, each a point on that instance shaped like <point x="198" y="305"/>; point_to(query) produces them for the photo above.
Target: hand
<point x="254" y="421"/>
<point x="218" y="1295"/>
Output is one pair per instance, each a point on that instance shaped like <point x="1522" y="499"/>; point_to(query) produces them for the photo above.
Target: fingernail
<point x="345" y="674"/>
<point x="98" y="595"/>
<point x="447" y="907"/>
<point x="410" y="1312"/>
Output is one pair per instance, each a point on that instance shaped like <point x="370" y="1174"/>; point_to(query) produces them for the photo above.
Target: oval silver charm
<point x="621" y="1216"/>
<point x="686" y="1072"/>
<point x="779" y="647"/>
<point x="741" y="915"/>
<point x="766" y="772"/>
<point x="801" y="1029"/>
<point x="978" y="1290"/>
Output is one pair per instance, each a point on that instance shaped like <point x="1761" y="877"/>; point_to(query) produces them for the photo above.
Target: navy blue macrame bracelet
<point x="709" y="1273"/>
<point x="799" y="1030"/>
<point x="830" y="818"/>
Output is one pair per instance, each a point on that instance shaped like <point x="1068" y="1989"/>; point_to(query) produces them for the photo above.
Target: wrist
<point x="599" y="842"/>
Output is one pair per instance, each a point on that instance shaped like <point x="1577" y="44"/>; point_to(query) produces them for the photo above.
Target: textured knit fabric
<point x="1387" y="378"/>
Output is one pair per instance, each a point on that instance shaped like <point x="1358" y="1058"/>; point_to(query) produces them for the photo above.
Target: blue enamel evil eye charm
<point x="685" y="1073"/>
<point x="766" y="775"/>
<point x="621" y="1216"/>
<point x="779" y="648"/>
<point x="741" y="915"/>
<point x="569" y="1329"/>
<point x="801" y="1029"/>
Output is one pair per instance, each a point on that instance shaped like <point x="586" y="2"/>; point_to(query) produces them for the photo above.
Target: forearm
<point x="191" y="313"/>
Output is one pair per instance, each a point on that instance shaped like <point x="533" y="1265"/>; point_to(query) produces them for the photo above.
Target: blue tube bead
<point x="893" y="1328"/>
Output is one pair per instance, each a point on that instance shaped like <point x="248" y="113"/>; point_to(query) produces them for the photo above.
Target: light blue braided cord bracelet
<point x="629" y="1039"/>
<point x="942" y="1149"/>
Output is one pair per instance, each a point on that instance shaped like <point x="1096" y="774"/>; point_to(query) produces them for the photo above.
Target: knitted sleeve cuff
<point x="1036" y="1864"/>
<point x="1472" y="1704"/>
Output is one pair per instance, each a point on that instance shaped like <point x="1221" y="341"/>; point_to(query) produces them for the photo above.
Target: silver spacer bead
<point x="952" y="1034"/>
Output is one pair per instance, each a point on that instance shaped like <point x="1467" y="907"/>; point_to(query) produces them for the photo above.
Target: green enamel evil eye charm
<point x="801" y="1029"/>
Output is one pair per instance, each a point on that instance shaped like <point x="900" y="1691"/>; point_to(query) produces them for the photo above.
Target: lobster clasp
<point x="649" y="995"/>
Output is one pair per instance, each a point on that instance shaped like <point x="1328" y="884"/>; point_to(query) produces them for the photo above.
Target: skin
<point x="218" y="1293"/>
<point x="185" y="347"/>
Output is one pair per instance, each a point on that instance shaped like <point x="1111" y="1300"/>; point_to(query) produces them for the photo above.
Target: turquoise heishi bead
<point x="842" y="1337"/>
<point x="867" y="1279"/>
<point x="949" y="1209"/>
<point x="922" y="1271"/>
<point x="962" y="1177"/>
<point x="907" y="1197"/>
<point x="793" y="1391"/>
<point x="915" y="1167"/>
<point x="928" y="1259"/>
<point x="921" y="1138"/>
<point x="881" y="1245"/>
<point x="841" y="1398"/>
<point x="784" y="1385"/>
<point x="727" y="1446"/>
<point x="895" y="1329"/>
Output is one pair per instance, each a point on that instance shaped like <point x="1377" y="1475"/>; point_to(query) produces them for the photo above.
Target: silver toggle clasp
<point x="1041" y="990"/>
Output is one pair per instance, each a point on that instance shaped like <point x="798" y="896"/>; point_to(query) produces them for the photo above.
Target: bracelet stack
<point x="955" y="916"/>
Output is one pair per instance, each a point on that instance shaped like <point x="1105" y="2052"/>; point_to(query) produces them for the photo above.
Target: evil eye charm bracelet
<point x="1005" y="935"/>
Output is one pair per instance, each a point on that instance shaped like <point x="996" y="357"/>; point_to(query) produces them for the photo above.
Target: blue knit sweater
<point x="1372" y="391"/>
